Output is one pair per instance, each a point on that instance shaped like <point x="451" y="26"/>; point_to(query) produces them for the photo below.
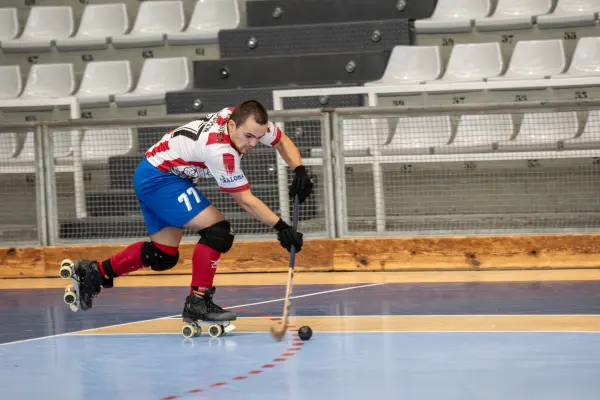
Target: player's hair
<point x="247" y="108"/>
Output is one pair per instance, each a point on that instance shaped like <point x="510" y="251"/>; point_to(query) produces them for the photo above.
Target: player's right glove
<point x="288" y="236"/>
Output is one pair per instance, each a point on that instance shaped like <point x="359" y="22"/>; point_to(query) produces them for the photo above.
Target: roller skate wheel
<point x="215" y="330"/>
<point x="73" y="307"/>
<point x="189" y="331"/>
<point x="67" y="262"/>
<point x="70" y="297"/>
<point x="66" y="270"/>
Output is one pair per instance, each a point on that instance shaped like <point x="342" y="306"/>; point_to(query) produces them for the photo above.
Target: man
<point x="164" y="183"/>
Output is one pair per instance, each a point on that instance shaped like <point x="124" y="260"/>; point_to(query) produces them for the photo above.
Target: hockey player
<point x="164" y="183"/>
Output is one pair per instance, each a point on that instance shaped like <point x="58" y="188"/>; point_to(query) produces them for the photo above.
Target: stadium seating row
<point x="106" y="81"/>
<point x="463" y="15"/>
<point x="157" y="23"/>
<point x="477" y="133"/>
<point x="97" y="146"/>
<point x="531" y="59"/>
<point x="102" y="83"/>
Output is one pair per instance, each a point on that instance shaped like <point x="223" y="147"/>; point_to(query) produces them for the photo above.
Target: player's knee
<point x="157" y="259"/>
<point x="218" y="236"/>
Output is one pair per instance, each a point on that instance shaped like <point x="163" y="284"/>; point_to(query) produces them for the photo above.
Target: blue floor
<point x="346" y="365"/>
<point x="330" y="366"/>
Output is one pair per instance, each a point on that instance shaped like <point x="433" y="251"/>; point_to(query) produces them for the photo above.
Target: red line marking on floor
<point x="296" y="343"/>
<point x="170" y="300"/>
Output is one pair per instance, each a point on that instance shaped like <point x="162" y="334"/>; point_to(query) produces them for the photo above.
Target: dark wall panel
<point x="292" y="12"/>
<point x="319" y="69"/>
<point x="315" y="39"/>
<point x="204" y="101"/>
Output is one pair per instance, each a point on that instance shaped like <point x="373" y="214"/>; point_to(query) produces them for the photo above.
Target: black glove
<point x="301" y="185"/>
<point x="288" y="236"/>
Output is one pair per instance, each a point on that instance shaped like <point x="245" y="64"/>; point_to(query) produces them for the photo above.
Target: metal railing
<point x="442" y="170"/>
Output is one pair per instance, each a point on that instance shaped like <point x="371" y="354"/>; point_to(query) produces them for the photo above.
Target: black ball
<point x="305" y="332"/>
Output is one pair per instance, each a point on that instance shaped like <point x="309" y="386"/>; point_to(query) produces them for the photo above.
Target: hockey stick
<point x="279" y="334"/>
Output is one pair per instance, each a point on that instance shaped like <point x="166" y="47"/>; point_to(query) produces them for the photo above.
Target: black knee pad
<point x="157" y="259"/>
<point x="218" y="236"/>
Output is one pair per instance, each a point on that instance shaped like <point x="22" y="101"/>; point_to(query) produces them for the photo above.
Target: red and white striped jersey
<point x="202" y="149"/>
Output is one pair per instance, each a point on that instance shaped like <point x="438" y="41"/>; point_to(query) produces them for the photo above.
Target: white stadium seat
<point x="514" y="14"/>
<point x="360" y="137"/>
<point x="9" y="24"/>
<point x="98" y="144"/>
<point x="542" y="131"/>
<point x="571" y="13"/>
<point x="61" y="145"/>
<point x="155" y="20"/>
<point x="590" y="137"/>
<point x="208" y="18"/>
<point x="8" y="145"/>
<point x="411" y="64"/>
<point x="478" y="133"/>
<point x="11" y="83"/>
<point x="586" y="59"/>
<point x="158" y="76"/>
<point x="418" y="135"/>
<point x="102" y="80"/>
<point x="454" y="16"/>
<point x="473" y="62"/>
<point x="44" y="26"/>
<point x="535" y="59"/>
<point x="49" y="81"/>
<point x="99" y="23"/>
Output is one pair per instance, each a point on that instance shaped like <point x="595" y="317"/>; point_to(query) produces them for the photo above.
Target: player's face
<point x="246" y="136"/>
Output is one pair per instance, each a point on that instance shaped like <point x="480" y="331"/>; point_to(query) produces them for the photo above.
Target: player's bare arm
<point x="255" y="207"/>
<point x="302" y="184"/>
<point x="288" y="151"/>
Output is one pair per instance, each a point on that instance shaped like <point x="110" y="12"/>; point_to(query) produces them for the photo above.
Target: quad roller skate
<point x="87" y="283"/>
<point x="199" y="310"/>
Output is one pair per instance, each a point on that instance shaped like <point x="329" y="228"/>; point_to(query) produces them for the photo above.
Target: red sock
<point x="130" y="259"/>
<point x="204" y="266"/>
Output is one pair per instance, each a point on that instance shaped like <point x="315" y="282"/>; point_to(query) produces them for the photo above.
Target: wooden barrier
<point x="372" y="254"/>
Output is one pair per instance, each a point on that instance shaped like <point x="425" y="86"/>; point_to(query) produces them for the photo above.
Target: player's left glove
<point x="302" y="185"/>
<point x="288" y="236"/>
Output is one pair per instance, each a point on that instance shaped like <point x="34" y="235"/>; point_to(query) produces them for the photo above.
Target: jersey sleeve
<point x="225" y="168"/>
<point x="273" y="135"/>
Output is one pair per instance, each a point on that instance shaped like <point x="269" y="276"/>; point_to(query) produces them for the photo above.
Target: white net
<point x="106" y="208"/>
<point x="20" y="184"/>
<point x="530" y="171"/>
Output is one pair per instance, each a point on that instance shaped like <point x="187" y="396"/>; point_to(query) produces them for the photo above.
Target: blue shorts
<point x="166" y="199"/>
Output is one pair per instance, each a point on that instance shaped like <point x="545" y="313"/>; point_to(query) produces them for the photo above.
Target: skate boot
<point x="90" y="281"/>
<point x="201" y="308"/>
